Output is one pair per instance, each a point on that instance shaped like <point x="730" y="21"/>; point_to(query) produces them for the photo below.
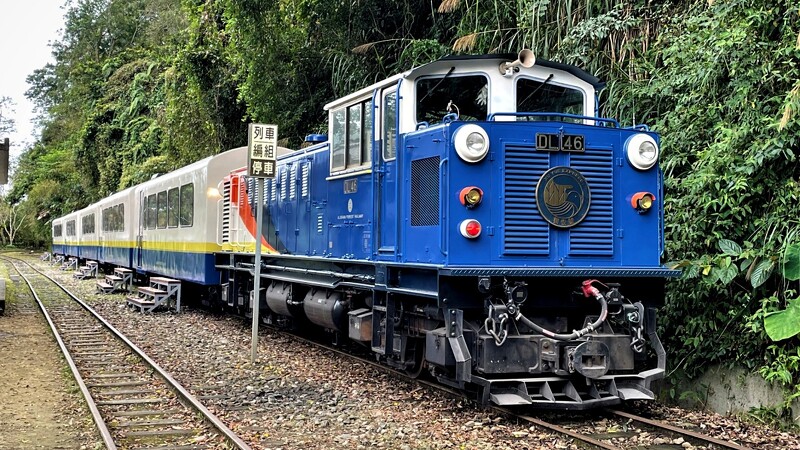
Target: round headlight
<point x="642" y="151"/>
<point x="472" y="143"/>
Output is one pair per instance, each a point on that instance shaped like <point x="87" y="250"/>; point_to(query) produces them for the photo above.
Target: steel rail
<point x="558" y="429"/>
<point x="679" y="430"/>
<point x="183" y="393"/>
<point x="99" y="422"/>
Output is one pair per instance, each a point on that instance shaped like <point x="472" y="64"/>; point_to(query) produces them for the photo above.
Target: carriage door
<point x="386" y="165"/>
<point x="140" y="228"/>
<point x="101" y="242"/>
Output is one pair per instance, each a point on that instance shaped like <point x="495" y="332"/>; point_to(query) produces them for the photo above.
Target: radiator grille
<point x="595" y="235"/>
<point x="525" y="231"/>
<point x="425" y="192"/>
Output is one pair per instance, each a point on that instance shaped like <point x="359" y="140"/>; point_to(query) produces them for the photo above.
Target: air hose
<point x="588" y="291"/>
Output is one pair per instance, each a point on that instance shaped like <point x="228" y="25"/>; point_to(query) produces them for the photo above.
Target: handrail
<point x="613" y="122"/>
<point x="444" y="188"/>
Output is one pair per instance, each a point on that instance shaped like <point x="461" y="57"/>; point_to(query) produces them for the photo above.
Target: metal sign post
<point x="262" y="144"/>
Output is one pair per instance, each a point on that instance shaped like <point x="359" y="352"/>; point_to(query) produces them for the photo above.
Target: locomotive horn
<point x="525" y="58"/>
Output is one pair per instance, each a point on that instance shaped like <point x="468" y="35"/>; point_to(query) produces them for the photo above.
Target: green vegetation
<point x="145" y="86"/>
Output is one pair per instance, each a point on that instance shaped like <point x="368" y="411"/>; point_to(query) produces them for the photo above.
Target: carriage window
<point x="467" y="96"/>
<point x="389" y="124"/>
<point x="87" y="224"/>
<point x="143" y="219"/>
<point x="187" y="205"/>
<point x="537" y="96"/>
<point x="57" y="230"/>
<point x="151" y="211"/>
<point x="113" y="218"/>
<point x="162" y="209"/>
<point x="71" y="228"/>
<point x="351" y="136"/>
<point x="172" y="211"/>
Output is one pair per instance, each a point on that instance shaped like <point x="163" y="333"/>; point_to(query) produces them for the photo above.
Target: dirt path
<point x="40" y="405"/>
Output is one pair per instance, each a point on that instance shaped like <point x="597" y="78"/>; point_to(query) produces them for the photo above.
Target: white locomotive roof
<point x="487" y="61"/>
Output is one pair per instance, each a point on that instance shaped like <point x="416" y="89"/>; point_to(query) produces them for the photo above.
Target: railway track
<point x="623" y="430"/>
<point x="134" y="402"/>
<point x="605" y="429"/>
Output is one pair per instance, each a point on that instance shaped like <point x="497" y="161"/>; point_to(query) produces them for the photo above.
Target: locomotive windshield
<point x="466" y="95"/>
<point x="540" y="97"/>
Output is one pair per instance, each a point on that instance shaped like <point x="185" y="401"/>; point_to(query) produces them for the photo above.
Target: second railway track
<point x="135" y="403"/>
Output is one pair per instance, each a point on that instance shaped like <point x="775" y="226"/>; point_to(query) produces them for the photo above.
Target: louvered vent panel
<point x="319" y="223"/>
<point x="273" y="190"/>
<point x="226" y="212"/>
<point x="251" y="190"/>
<point x="525" y="232"/>
<point x="595" y="235"/>
<point x="251" y="194"/>
<point x="293" y="182"/>
<point x="425" y="192"/>
<point x="283" y="183"/>
<point x="306" y="174"/>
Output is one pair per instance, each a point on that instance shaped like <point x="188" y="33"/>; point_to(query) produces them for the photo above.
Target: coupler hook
<point x="499" y="331"/>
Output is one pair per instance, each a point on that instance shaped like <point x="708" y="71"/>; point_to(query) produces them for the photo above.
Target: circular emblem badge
<point x="562" y="196"/>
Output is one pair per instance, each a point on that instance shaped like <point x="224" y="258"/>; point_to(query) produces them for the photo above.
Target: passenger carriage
<point x="116" y="233"/>
<point x="177" y="220"/>
<point x="89" y="233"/>
<point x="57" y="230"/>
<point x="71" y="239"/>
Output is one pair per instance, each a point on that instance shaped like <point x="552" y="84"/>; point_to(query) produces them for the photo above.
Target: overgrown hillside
<point x="146" y="86"/>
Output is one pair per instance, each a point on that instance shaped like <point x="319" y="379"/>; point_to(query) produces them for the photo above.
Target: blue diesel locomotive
<point x="473" y="217"/>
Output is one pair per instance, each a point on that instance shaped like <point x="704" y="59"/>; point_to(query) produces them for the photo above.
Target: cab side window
<point x="351" y="136"/>
<point x="389" y="134"/>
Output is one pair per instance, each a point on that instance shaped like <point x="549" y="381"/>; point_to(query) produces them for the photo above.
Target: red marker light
<point x="470" y="228"/>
